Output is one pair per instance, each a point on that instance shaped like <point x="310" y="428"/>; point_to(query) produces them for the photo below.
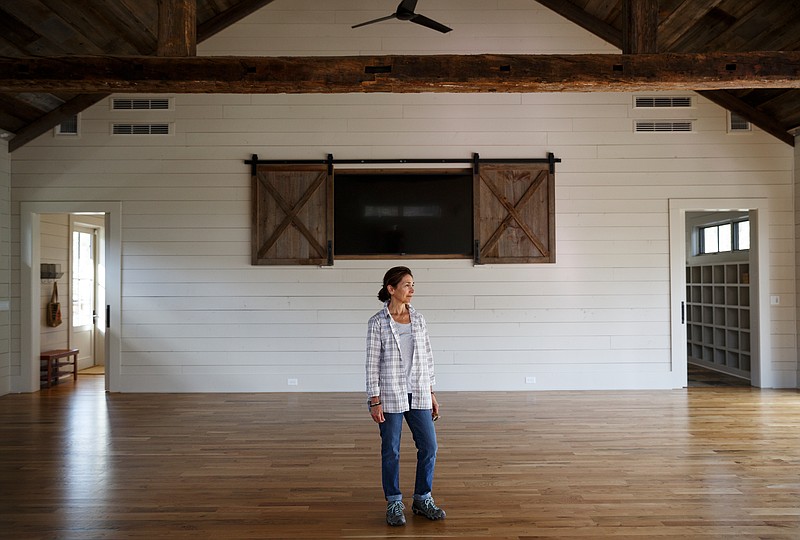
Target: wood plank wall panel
<point x="54" y="242"/>
<point x="198" y="317"/>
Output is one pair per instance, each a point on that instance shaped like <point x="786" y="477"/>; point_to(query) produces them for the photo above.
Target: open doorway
<point x="735" y="290"/>
<point x="718" y="299"/>
<point x="87" y="291"/>
<point x="109" y="274"/>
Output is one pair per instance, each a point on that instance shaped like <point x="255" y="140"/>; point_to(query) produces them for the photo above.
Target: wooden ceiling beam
<point x="640" y="26"/>
<point x="627" y="43"/>
<point x="402" y="74"/>
<point x="202" y="32"/>
<point x="177" y="28"/>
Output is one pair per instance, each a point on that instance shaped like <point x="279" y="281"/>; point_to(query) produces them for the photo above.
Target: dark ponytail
<point x="383" y="294"/>
<point x="392" y="277"/>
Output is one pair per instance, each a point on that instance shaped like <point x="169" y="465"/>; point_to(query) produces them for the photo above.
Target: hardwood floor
<point x="76" y="463"/>
<point x="699" y="376"/>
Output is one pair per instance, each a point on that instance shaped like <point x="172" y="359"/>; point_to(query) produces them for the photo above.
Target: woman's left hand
<point x="435" y="411"/>
<point x="377" y="414"/>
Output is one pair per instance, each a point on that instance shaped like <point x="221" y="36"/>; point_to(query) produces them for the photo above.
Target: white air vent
<point x="661" y="102"/>
<point x="140" y="104"/>
<point x="140" y="129"/>
<point x="68" y="127"/>
<point x="737" y="123"/>
<point x="663" y="126"/>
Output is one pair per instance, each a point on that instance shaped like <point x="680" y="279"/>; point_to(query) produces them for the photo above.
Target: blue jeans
<point x="421" y="424"/>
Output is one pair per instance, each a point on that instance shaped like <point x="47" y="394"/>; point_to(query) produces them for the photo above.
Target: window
<point x="82" y="278"/>
<point x="737" y="123"/>
<point x="68" y="126"/>
<point x="725" y="237"/>
<point x="743" y="235"/>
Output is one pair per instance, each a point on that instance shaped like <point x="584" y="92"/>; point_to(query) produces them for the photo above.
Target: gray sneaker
<point x="394" y="514"/>
<point x="427" y="508"/>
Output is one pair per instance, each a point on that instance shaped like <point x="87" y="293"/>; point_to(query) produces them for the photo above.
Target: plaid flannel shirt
<point x="385" y="374"/>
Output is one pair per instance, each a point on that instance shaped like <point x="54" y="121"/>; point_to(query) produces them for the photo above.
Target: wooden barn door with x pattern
<point x="292" y="215"/>
<point x="514" y="213"/>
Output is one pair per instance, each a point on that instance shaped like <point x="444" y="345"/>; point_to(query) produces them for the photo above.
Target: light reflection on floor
<point x="87" y="448"/>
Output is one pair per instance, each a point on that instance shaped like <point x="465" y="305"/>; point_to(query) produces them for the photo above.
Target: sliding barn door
<point x="292" y="215"/>
<point x="514" y="213"/>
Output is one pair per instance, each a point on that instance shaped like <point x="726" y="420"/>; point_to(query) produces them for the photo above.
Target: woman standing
<point x="399" y="386"/>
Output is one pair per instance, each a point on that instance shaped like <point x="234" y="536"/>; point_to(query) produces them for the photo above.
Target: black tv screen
<point x="403" y="214"/>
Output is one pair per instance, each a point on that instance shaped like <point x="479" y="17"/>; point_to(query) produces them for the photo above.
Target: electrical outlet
<point x="530" y="380"/>
<point x="292" y="382"/>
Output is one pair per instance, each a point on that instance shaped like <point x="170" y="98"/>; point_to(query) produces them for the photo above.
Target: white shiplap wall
<point x="54" y="242"/>
<point x="5" y="268"/>
<point x="197" y="317"/>
<point x="797" y="240"/>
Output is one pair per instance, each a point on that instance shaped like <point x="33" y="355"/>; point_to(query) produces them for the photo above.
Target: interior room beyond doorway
<point x="718" y="298"/>
<point x="72" y="246"/>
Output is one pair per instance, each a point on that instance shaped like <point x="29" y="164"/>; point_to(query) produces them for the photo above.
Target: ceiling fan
<point x="405" y="12"/>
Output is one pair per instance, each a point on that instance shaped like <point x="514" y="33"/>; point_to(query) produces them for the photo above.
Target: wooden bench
<point x="53" y="361"/>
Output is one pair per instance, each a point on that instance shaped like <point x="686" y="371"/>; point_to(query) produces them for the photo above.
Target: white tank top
<point x="406" y="349"/>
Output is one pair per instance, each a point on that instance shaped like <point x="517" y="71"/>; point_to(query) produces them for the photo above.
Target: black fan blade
<point x="430" y="23"/>
<point x="408" y="5"/>
<point x="381" y="19"/>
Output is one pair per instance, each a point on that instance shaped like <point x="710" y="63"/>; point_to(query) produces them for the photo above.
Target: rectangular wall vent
<point x="140" y="129"/>
<point x="140" y="104"/>
<point x="663" y="126"/>
<point x="738" y="123"/>
<point x="650" y="102"/>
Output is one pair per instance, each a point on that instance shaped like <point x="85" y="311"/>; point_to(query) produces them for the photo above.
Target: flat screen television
<point x="403" y="213"/>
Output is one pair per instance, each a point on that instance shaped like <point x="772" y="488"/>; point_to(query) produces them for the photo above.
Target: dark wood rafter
<point x="177" y="28"/>
<point x="232" y="15"/>
<point x="573" y="13"/>
<point x="62" y="28"/>
<point x="15" y="109"/>
<point x="403" y="74"/>
<point x="202" y="32"/>
<point x="640" y="26"/>
<point x="615" y="37"/>
<point x="53" y="118"/>
<point x="135" y="24"/>
<point x="753" y="115"/>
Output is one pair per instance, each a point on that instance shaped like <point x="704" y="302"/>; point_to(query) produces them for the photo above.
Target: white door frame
<point x="30" y="256"/>
<point x="761" y="372"/>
